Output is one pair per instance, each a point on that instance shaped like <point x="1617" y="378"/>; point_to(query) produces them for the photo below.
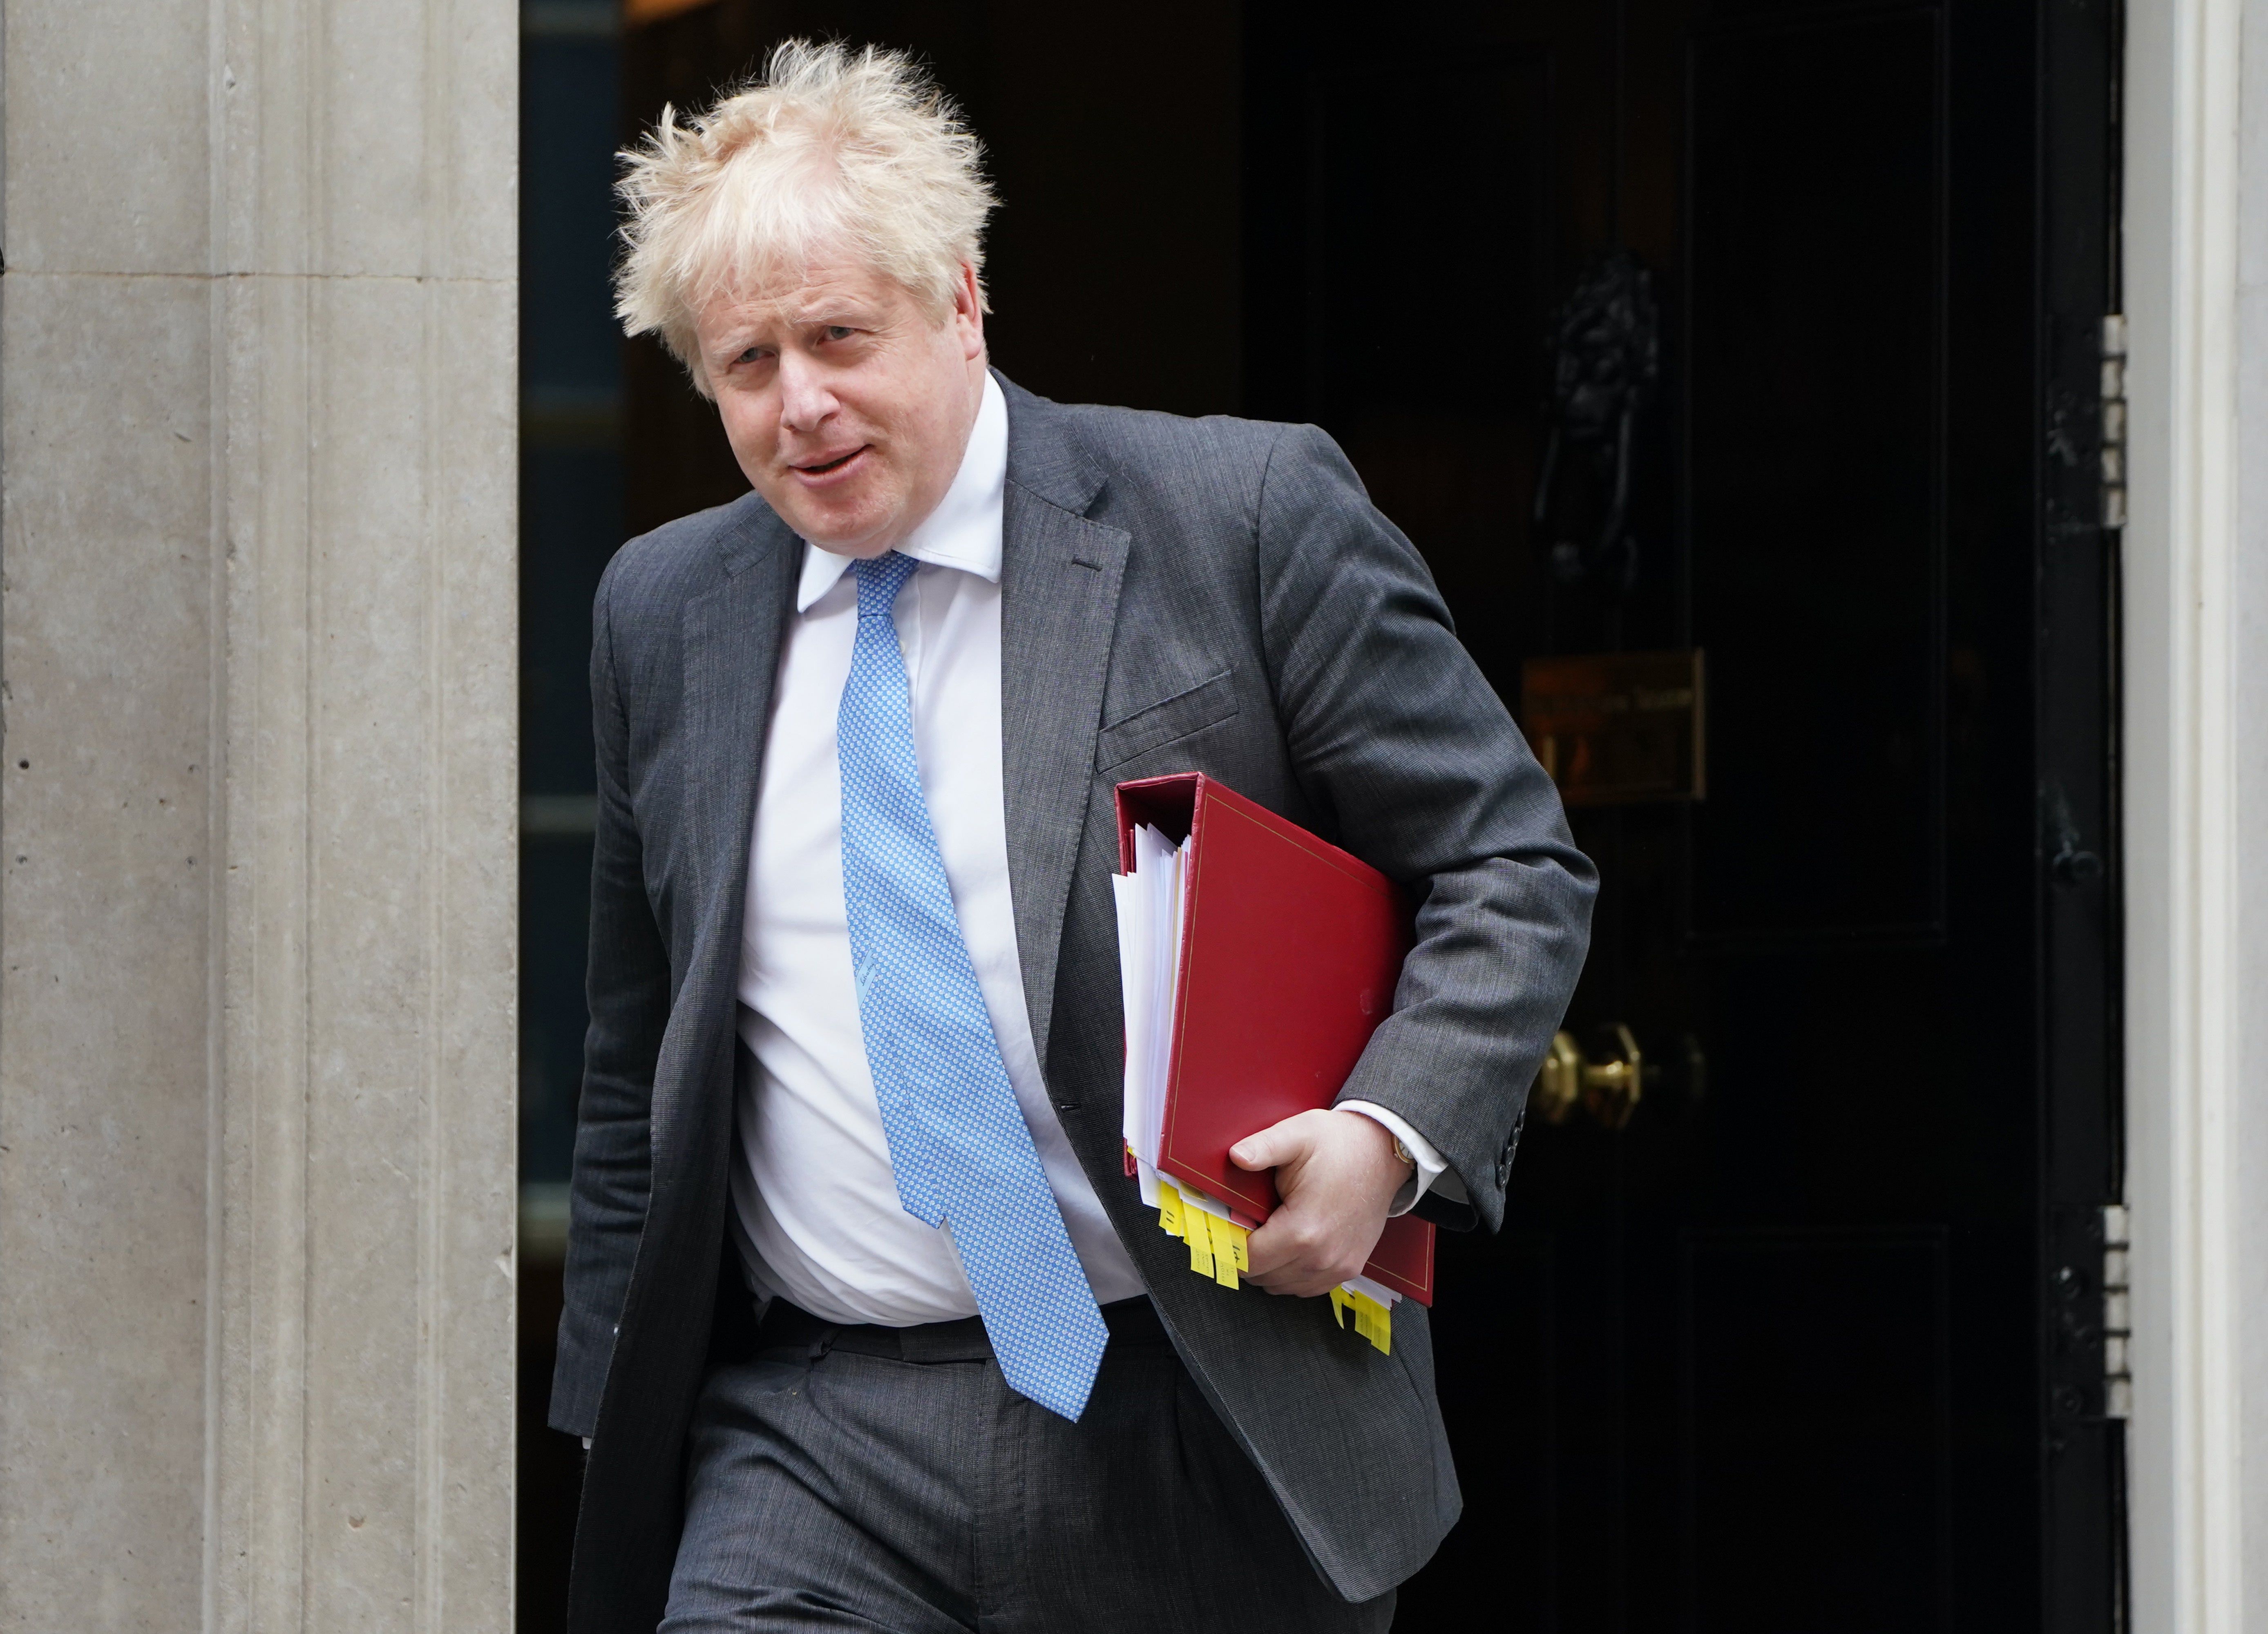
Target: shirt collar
<point x="964" y="530"/>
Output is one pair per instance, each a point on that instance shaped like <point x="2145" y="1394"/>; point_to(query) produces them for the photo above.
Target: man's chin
<point x="863" y="532"/>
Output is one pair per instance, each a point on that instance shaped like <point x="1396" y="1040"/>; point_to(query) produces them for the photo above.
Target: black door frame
<point x="2078" y="515"/>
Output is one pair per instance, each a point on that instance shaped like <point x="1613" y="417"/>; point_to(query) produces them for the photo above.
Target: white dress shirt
<point x="814" y="1195"/>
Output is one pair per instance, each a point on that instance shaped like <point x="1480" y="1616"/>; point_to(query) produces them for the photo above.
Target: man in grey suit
<point x="866" y="1328"/>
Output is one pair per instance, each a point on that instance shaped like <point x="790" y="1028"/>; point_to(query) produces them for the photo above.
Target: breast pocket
<point x="1184" y="715"/>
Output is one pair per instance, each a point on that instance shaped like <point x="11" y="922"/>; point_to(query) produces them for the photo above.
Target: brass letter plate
<point x="1617" y="728"/>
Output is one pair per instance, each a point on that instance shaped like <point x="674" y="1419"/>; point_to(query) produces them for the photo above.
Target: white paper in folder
<point x="1149" y="902"/>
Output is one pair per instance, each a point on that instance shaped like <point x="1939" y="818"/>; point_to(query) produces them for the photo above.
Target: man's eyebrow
<point x="850" y="313"/>
<point x="751" y="332"/>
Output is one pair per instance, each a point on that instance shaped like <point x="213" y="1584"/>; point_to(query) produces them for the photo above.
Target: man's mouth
<point x="823" y="467"/>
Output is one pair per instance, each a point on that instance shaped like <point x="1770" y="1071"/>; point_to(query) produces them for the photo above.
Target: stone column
<point x="257" y="806"/>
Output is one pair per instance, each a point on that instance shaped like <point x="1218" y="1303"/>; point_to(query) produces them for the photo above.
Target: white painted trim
<point x="2198" y="1191"/>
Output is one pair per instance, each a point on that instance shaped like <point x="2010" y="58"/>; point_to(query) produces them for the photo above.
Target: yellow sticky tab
<point x="1169" y="1209"/>
<point x="1340" y="1299"/>
<point x="1236" y="1236"/>
<point x="1374" y="1322"/>
<point x="1197" y="1228"/>
<point x="1228" y="1256"/>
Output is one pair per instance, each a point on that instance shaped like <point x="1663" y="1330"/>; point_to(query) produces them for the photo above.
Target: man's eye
<point x="752" y="355"/>
<point x="839" y="331"/>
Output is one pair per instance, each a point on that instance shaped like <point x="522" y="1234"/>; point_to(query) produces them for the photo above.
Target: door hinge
<point x="2114" y="420"/>
<point x="2117" y="1315"/>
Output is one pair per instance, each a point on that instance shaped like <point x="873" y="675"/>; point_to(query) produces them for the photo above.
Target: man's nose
<point x="805" y="401"/>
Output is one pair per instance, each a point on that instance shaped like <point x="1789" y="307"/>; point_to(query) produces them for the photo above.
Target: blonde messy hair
<point x="828" y="149"/>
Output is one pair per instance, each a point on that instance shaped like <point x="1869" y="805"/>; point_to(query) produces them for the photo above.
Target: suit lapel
<point x="1059" y="579"/>
<point x="731" y="655"/>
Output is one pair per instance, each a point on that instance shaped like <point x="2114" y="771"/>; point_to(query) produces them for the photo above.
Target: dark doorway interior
<point x="1813" y="1339"/>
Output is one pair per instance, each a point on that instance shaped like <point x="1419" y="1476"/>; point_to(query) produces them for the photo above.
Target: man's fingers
<point x="1308" y="1251"/>
<point x="1298" y="1258"/>
<point x="1336" y="1177"/>
<point x="1269" y="1148"/>
<point x="1278" y="1249"/>
<point x="1254" y="1152"/>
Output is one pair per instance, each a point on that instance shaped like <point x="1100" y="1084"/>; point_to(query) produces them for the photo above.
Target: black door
<point x="1812" y="1340"/>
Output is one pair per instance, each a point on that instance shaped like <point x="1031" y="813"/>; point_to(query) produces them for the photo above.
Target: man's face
<point x="847" y="406"/>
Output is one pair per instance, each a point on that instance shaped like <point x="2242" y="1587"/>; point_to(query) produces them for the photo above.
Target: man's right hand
<point x="1337" y="1173"/>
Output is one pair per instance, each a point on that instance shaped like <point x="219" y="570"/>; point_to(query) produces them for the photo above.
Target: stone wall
<point x="257" y="808"/>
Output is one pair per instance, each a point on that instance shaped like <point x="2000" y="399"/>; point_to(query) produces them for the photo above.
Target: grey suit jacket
<point x="1217" y="595"/>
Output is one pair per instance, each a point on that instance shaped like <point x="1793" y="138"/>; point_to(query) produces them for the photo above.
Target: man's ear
<point x="968" y="312"/>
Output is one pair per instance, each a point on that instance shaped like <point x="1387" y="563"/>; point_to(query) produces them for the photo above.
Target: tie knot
<point x="879" y="580"/>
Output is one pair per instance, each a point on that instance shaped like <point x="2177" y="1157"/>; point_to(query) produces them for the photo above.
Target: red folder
<point x="1291" y="949"/>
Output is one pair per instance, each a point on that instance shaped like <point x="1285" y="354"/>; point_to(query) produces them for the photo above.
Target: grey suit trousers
<point x="916" y="1493"/>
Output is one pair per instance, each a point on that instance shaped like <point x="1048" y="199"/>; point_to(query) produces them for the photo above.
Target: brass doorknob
<point x="1607" y="1089"/>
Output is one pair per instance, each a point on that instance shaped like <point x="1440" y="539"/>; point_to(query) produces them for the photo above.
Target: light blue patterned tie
<point x="958" y="1141"/>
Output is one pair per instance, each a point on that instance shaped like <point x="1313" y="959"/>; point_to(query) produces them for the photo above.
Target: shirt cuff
<point x="1430" y="1162"/>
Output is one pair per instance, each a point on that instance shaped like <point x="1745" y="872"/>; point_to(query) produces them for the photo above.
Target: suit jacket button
<point x="1510" y="1146"/>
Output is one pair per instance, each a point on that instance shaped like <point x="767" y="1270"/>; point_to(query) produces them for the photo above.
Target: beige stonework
<point x="257" y="808"/>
